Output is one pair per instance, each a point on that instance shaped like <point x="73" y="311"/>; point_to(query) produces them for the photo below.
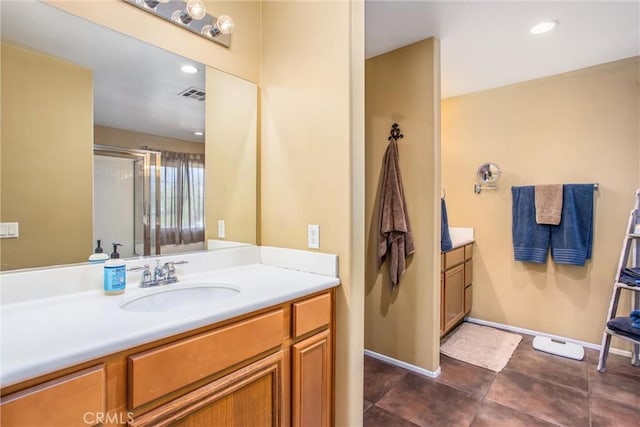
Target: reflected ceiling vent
<point x="193" y="93"/>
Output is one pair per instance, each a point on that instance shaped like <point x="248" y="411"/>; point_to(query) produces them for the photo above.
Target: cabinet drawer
<point x="62" y="402"/>
<point x="186" y="361"/>
<point x="453" y="257"/>
<point x="468" y="273"/>
<point x="311" y="314"/>
<point x="468" y="251"/>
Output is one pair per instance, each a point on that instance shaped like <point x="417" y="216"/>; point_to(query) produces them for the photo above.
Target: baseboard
<point x="404" y="365"/>
<point x="510" y="328"/>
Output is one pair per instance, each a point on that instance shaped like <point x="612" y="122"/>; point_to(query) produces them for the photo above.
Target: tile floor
<point x="534" y="389"/>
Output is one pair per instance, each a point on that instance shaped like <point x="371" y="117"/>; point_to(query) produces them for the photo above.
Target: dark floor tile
<point x="377" y="417"/>
<point x="616" y="364"/>
<point x="614" y="386"/>
<point x="465" y="377"/>
<point x="492" y="414"/>
<point x="605" y="413"/>
<point x="366" y="405"/>
<point x="426" y="402"/>
<point x="561" y="370"/>
<point x="527" y="341"/>
<point x="542" y="399"/>
<point x="379" y="378"/>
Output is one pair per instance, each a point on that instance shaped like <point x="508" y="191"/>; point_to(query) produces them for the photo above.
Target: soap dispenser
<point x="98" y="255"/>
<point x="115" y="275"/>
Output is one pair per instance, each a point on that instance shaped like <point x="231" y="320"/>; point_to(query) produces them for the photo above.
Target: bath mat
<point x="481" y="346"/>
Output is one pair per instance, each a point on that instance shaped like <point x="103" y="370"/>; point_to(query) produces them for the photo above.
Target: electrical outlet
<point x="314" y="236"/>
<point x="221" y="228"/>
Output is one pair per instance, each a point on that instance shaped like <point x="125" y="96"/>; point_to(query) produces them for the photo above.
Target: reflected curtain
<point x="181" y="198"/>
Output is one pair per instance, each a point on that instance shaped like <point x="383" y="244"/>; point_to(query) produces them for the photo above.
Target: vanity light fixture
<point x="189" y="69"/>
<point x="190" y="15"/>
<point x="198" y="133"/>
<point x="543" y="27"/>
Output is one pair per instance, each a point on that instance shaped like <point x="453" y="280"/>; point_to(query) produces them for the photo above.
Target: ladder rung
<point x="619" y="335"/>
<point x="625" y="286"/>
<point x="633" y="236"/>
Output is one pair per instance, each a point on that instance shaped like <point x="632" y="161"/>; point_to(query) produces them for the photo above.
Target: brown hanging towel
<point x="394" y="236"/>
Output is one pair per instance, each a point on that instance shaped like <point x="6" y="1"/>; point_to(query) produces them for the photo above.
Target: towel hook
<point x="395" y="133"/>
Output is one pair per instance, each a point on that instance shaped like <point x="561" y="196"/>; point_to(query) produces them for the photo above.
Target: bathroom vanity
<point x="456" y="280"/>
<point x="263" y="357"/>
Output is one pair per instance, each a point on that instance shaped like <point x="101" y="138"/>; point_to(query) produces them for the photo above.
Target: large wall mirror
<point x="107" y="138"/>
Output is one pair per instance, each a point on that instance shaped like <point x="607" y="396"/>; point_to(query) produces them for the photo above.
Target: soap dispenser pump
<point x="98" y="255"/>
<point x="115" y="275"/>
<point x="115" y="253"/>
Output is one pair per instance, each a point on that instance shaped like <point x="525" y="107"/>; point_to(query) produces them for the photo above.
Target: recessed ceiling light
<point x="198" y="133"/>
<point x="189" y="69"/>
<point x="543" y="27"/>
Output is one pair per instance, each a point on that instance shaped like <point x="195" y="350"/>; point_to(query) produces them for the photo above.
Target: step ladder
<point x="621" y="326"/>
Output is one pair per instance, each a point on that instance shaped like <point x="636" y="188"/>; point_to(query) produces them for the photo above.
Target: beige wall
<point x="104" y="135"/>
<point x="241" y="59"/>
<point x="403" y="86"/>
<point x="308" y="98"/>
<point x="231" y="157"/>
<point x="47" y="172"/>
<point x="581" y="126"/>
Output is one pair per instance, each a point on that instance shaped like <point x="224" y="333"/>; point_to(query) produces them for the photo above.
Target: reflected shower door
<point x="125" y="200"/>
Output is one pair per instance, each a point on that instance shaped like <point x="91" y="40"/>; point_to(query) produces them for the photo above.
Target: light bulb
<point x="196" y="9"/>
<point x="225" y="24"/>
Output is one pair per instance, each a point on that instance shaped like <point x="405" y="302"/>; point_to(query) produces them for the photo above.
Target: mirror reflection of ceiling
<point x="136" y="85"/>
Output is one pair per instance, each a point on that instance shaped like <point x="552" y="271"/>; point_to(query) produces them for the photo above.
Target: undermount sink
<point x="199" y="295"/>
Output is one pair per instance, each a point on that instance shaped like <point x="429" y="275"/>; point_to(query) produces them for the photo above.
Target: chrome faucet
<point x="162" y="274"/>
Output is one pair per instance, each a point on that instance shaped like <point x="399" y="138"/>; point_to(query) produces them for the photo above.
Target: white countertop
<point x="461" y="236"/>
<point x="47" y="334"/>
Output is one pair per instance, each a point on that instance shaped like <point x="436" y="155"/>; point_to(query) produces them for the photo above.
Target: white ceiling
<point x="487" y="44"/>
<point x="136" y="85"/>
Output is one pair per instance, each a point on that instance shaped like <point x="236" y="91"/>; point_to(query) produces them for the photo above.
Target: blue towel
<point x="635" y="318"/>
<point x="445" y="238"/>
<point x="571" y="239"/>
<point x="530" y="239"/>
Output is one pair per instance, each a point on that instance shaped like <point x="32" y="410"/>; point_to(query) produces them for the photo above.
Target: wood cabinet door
<point x="453" y="296"/>
<point x="312" y="381"/>
<point x="78" y="399"/>
<point x="251" y="396"/>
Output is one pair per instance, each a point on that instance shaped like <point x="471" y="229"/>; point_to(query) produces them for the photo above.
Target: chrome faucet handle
<point x="171" y="268"/>
<point x="139" y="267"/>
<point x="146" y="273"/>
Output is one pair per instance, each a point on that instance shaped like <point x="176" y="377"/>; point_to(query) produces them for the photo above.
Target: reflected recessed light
<point x="543" y="27"/>
<point x="198" y="133"/>
<point x="189" y="69"/>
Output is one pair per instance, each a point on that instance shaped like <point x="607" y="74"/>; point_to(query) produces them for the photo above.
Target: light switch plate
<point x="9" y="230"/>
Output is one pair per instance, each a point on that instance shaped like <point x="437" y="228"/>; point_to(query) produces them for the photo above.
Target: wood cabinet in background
<point x="455" y="287"/>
